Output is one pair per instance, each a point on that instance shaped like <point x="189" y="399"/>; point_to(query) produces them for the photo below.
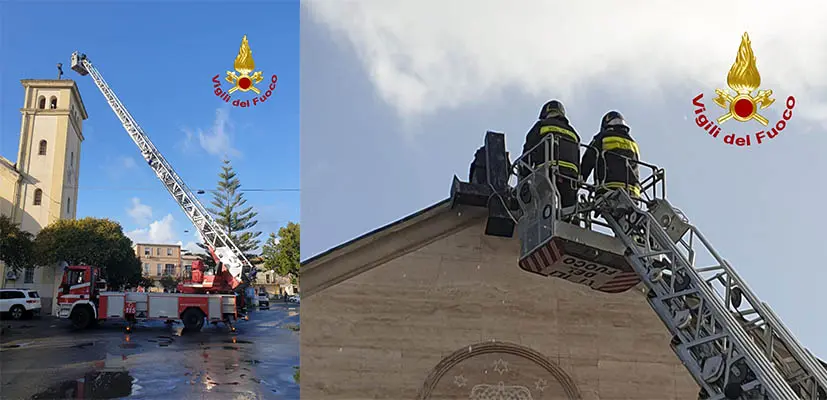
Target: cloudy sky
<point x="160" y="61"/>
<point x="397" y="95"/>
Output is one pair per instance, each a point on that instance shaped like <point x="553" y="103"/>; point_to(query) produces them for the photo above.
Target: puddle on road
<point x="237" y="341"/>
<point x="94" y="385"/>
<point x="127" y="343"/>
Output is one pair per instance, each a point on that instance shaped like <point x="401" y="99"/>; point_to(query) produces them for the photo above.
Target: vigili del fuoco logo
<point x="742" y="106"/>
<point x="244" y="79"/>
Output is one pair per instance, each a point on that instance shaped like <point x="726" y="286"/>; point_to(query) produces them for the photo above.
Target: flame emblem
<point x="744" y="79"/>
<point x="244" y="65"/>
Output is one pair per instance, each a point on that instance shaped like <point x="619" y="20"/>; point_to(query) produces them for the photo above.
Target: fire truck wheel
<point x="193" y="319"/>
<point x="81" y="318"/>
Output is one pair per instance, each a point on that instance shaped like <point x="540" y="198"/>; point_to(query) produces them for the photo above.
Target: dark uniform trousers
<point x="567" y="188"/>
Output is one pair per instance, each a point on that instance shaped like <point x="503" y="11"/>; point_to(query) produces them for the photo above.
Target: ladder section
<point x="225" y="249"/>
<point x="732" y="343"/>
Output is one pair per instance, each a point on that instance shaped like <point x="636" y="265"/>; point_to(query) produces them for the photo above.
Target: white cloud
<point x="426" y="55"/>
<point x="217" y="140"/>
<point x="192" y="247"/>
<point x="139" y="212"/>
<point x="165" y="231"/>
<point x="119" y="166"/>
<point x="161" y="232"/>
<point x="127" y="162"/>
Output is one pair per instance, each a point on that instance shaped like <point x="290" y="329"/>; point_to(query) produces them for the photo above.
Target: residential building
<point x="41" y="186"/>
<point x="442" y="311"/>
<point x="159" y="260"/>
<point x="186" y="260"/>
<point x="274" y="283"/>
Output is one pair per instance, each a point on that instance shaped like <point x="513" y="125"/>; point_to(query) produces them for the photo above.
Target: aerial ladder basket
<point x="732" y="344"/>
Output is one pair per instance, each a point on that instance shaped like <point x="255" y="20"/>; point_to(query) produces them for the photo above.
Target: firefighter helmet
<point x="553" y="108"/>
<point x="613" y="119"/>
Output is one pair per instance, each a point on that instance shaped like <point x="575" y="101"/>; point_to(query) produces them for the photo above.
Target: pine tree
<point x="230" y="214"/>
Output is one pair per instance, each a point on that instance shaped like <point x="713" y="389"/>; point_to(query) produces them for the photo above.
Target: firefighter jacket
<point x="566" y="153"/>
<point x="612" y="171"/>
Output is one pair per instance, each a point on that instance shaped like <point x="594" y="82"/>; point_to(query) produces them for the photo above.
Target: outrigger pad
<point x="583" y="257"/>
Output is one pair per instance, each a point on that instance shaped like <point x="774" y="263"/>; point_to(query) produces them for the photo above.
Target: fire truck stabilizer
<point x="733" y="344"/>
<point x="234" y="270"/>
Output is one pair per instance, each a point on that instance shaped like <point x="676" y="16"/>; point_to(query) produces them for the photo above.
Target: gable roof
<point x="385" y="244"/>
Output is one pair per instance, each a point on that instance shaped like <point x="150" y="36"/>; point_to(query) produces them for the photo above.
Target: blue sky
<point x="406" y="103"/>
<point x="160" y="59"/>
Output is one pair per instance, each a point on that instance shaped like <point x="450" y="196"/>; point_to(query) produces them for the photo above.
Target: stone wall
<point x="459" y="319"/>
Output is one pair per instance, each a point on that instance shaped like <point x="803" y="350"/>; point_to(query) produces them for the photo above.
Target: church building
<point x="430" y="307"/>
<point x="42" y="185"/>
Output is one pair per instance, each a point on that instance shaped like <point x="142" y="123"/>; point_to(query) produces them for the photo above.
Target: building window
<point x="28" y="277"/>
<point x="158" y="269"/>
<point x="41" y="150"/>
<point x="169" y="269"/>
<point x="72" y="158"/>
<point x="53" y="103"/>
<point x="147" y="251"/>
<point x="169" y="251"/>
<point x="68" y="205"/>
<point x="146" y="268"/>
<point x="42" y="103"/>
<point x="267" y="278"/>
<point x="38" y="197"/>
<point x="158" y="251"/>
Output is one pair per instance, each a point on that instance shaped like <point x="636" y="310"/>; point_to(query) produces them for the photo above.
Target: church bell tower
<point x="51" y="133"/>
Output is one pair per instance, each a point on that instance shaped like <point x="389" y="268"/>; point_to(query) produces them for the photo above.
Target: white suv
<point x="19" y="303"/>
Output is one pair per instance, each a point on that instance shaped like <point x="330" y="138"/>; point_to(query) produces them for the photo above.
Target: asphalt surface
<point x="46" y="359"/>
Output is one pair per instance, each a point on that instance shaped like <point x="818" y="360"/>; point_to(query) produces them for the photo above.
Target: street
<point x="45" y="359"/>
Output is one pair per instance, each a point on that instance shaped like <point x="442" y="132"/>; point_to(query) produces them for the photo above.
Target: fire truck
<point x="85" y="300"/>
<point x="203" y="296"/>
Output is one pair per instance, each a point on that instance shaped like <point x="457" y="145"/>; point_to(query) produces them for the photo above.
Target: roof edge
<point x="332" y="250"/>
<point x="377" y="247"/>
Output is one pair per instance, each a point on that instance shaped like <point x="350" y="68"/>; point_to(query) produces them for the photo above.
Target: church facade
<point x="42" y="185"/>
<point x="430" y="307"/>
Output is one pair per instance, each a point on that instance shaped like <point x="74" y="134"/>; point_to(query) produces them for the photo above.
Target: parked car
<point x="294" y="299"/>
<point x="263" y="300"/>
<point x="19" y="303"/>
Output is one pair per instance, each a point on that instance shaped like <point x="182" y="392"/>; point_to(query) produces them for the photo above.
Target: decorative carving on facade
<point x="498" y="371"/>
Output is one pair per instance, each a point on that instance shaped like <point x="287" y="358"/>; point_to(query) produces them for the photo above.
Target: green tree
<point x="168" y="282"/>
<point x="146" y="282"/>
<point x="229" y="211"/>
<point x="282" y="252"/>
<point x="90" y="241"/>
<point x="16" y="246"/>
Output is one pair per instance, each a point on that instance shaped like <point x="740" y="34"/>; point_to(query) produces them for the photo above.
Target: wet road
<point x="45" y="359"/>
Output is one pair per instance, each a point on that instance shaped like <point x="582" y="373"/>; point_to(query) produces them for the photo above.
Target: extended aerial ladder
<point x="733" y="344"/>
<point x="233" y="268"/>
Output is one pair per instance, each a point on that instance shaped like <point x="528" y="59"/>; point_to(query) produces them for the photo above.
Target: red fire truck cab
<point x="84" y="300"/>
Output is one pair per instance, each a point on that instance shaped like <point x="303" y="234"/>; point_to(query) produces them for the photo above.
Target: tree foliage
<point x="16" y="246"/>
<point x="168" y="282"/>
<point x="229" y="211"/>
<point x="90" y="241"/>
<point x="282" y="251"/>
